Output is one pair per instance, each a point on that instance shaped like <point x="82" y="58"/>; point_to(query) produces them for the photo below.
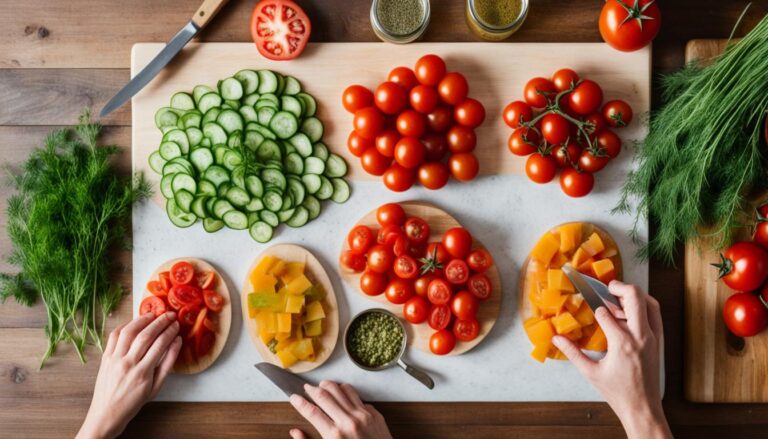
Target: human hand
<point x="346" y="416"/>
<point x="139" y="356"/>
<point x="629" y="374"/>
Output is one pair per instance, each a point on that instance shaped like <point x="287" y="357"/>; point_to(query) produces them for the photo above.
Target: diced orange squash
<point x="298" y="285"/>
<point x="264" y="265"/>
<point x="546" y="248"/>
<point x="565" y="323"/>
<point x="541" y="333"/>
<point x="284" y="322"/>
<point x="263" y="283"/>
<point x="557" y="280"/>
<point x="579" y="257"/>
<point x="597" y="342"/>
<point x="609" y="252"/>
<point x="593" y="245"/>
<point x="558" y="260"/>
<point x="277" y="268"/>
<point x="282" y="336"/>
<point x="555" y="354"/>
<point x="530" y="321"/>
<point x="535" y="298"/>
<point x="574" y="335"/>
<point x="314" y="312"/>
<point x="291" y="271"/>
<point x="586" y="267"/>
<point x="552" y="301"/>
<point x="540" y="276"/>
<point x="539" y="352"/>
<point x="570" y="237"/>
<point x="604" y="270"/>
<point x="302" y="349"/>
<point x="293" y="304"/>
<point x="573" y="303"/>
<point x="584" y="315"/>
<point x="287" y="359"/>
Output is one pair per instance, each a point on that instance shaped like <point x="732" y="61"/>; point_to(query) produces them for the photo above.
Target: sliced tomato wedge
<point x="210" y="324"/>
<point x="188" y="315"/>
<point x="165" y="280"/>
<point x="206" y="280"/>
<point x="280" y="29"/>
<point x="199" y="322"/>
<point x="213" y="300"/>
<point x="156" y="288"/>
<point x="204" y="342"/>
<point x="152" y="304"/>
<point x="182" y="273"/>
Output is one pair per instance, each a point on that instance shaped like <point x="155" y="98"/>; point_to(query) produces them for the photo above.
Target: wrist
<point x="95" y="428"/>
<point x="646" y="422"/>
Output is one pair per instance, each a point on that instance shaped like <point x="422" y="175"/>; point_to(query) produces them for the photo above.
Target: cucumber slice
<point x="251" y="99"/>
<point x="311" y="182"/>
<point x="335" y="166"/>
<point x="216" y="175"/>
<point x="280" y="84"/>
<point x="235" y="140"/>
<point x="205" y="187"/>
<point x="195" y="136"/>
<point x="299" y="218"/>
<point x="273" y="200"/>
<point x="184" y="200"/>
<point x="320" y="151"/>
<point x="264" y="131"/>
<point x="254" y="185"/>
<point x="199" y="91"/>
<point x="208" y="101"/>
<point x="273" y="177"/>
<point x="191" y="119"/>
<point x="249" y="79"/>
<point x="310" y="106"/>
<point x="179" y="164"/>
<point x="238" y="177"/>
<point x="166" y="117"/>
<point x="303" y="145"/>
<point x="313" y="165"/>
<point x="253" y="139"/>
<point x="263" y="102"/>
<point x="182" y="101"/>
<point x="169" y="150"/>
<point x="231" y="104"/>
<point x="235" y="220"/>
<point x="201" y="159"/>
<point x="218" y="154"/>
<point x="312" y="205"/>
<point x="294" y="164"/>
<point x="313" y="128"/>
<point x="215" y="132"/>
<point x="292" y="86"/>
<point x="283" y="124"/>
<point x="178" y="136"/>
<point x="231" y="89"/>
<point x="248" y="114"/>
<point x="230" y="120"/>
<point x="287" y="204"/>
<point x="184" y="181"/>
<point x="165" y="185"/>
<point x="265" y="115"/>
<point x="212" y="225"/>
<point x="177" y="216"/>
<point x="297" y="191"/>
<point x="254" y="205"/>
<point x="261" y="232"/>
<point x="221" y="192"/>
<point x="285" y="215"/>
<point x="267" y="81"/>
<point x="291" y="105"/>
<point x="220" y="207"/>
<point x="238" y="197"/>
<point x="198" y="206"/>
<point x="156" y="162"/>
<point x="268" y="150"/>
<point x="326" y="189"/>
<point x="269" y="217"/>
<point x="210" y="116"/>
<point x="232" y="159"/>
<point x="341" y="190"/>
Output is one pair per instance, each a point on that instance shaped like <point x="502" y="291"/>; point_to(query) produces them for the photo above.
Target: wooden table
<point x="57" y="57"/>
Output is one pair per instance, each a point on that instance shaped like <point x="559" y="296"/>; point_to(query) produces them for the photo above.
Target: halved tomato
<point x="439" y="317"/>
<point x="439" y="292"/>
<point x="165" y="280"/>
<point x="182" y="273"/>
<point x="480" y="286"/>
<point x="156" y="288"/>
<point x="185" y="295"/>
<point x="457" y="272"/>
<point x="188" y="315"/>
<point x="213" y="300"/>
<point x="466" y="330"/>
<point x="152" y="304"/>
<point x="280" y="29"/>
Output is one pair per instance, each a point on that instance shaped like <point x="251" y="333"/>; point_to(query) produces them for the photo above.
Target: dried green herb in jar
<point x="400" y="17"/>
<point x="498" y="13"/>
<point x="375" y="339"/>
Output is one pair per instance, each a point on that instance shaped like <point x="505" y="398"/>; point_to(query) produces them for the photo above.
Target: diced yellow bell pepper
<point x="593" y="245"/>
<point x="298" y="285"/>
<point x="302" y="349"/>
<point x="284" y="344"/>
<point x="287" y="359"/>
<point x="570" y="237"/>
<point x="263" y="283"/>
<point x="546" y="248"/>
<point x="284" y="322"/>
<point x="277" y="268"/>
<point x="291" y="271"/>
<point x="313" y="328"/>
<point x="266" y="322"/>
<point x="264" y="265"/>
<point x="314" y="312"/>
<point x="281" y="336"/>
<point x="265" y="337"/>
<point x="267" y="302"/>
<point x="293" y="304"/>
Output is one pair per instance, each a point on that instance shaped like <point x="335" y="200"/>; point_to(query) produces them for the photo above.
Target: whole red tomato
<point x="440" y="119"/>
<point x="566" y="155"/>
<point x="761" y="227"/>
<point x="458" y="242"/>
<point x="373" y="283"/>
<point x="744" y="266"/>
<point x="411" y="123"/>
<point x="423" y="98"/>
<point x="609" y="142"/>
<point x="470" y="112"/>
<point x="416" y="309"/>
<point x="390" y="98"/>
<point x="380" y="258"/>
<point x="430" y="69"/>
<point x="368" y="122"/>
<point x="464" y="305"/>
<point x="442" y="342"/>
<point x="399" y="291"/>
<point x="399" y="179"/>
<point x="564" y="79"/>
<point x="404" y="77"/>
<point x="745" y="314"/>
<point x="523" y="141"/>
<point x="585" y="98"/>
<point x="386" y="141"/>
<point x="464" y="166"/>
<point x="461" y="139"/>
<point x="433" y="175"/>
<point x="540" y="168"/>
<point x="629" y="26"/>
<point x="356" y="97"/>
<point x="617" y="113"/>
<point x="555" y="128"/>
<point x="409" y="152"/>
<point x="453" y="88"/>
<point x="357" y="144"/>
<point x="537" y="92"/>
<point x="390" y="214"/>
<point x="575" y="183"/>
<point x="516" y="112"/>
<point x="373" y="162"/>
<point x="590" y="162"/>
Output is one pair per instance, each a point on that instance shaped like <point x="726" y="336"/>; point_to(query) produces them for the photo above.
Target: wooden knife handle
<point x="207" y="11"/>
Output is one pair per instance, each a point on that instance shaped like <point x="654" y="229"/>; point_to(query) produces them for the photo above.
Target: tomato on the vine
<point x="457" y="242"/>
<point x="516" y="112"/>
<point x="464" y="305"/>
<point x="760" y="234"/>
<point x="399" y="179"/>
<point x="433" y="175"/>
<point x="417" y="230"/>
<point x="399" y="291"/>
<point x="537" y="92"/>
<point x="617" y="113"/>
<point x="609" y="142"/>
<point x="405" y="267"/>
<point x="430" y="69"/>
<point x="390" y="214"/>
<point x="566" y="155"/>
<point x="576" y="183"/>
<point x="540" y="168"/>
<point x="453" y="88"/>
<point x="523" y="141"/>
<point x="416" y="310"/>
<point x="464" y="166"/>
<point x="356" y="97"/>
<point x="586" y="97"/>
<point x="480" y="260"/>
<point x="470" y="112"/>
<point x="404" y="77"/>
<point x="745" y="314"/>
<point x="423" y="98"/>
<point x="628" y="27"/>
<point x="590" y="162"/>
<point x="442" y="342"/>
<point x="373" y="283"/>
<point x="596" y="124"/>
<point x="461" y="139"/>
<point x="466" y="329"/>
<point x="555" y="128"/>
<point x="409" y="152"/>
<point x="438" y="251"/>
<point x="564" y="79"/>
<point x="743" y="266"/>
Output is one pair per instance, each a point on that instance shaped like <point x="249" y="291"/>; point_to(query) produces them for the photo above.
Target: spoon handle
<point x="416" y="373"/>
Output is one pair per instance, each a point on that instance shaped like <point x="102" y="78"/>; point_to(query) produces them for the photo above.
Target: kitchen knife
<point x="288" y="382"/>
<point x="202" y="16"/>
<point x="595" y="292"/>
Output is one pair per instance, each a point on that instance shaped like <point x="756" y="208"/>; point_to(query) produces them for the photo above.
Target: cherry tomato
<point x="609" y="142"/>
<point x="356" y="97"/>
<point x="439" y="317"/>
<point x="373" y="162"/>
<point x="457" y="242"/>
<point x="745" y="314"/>
<point x="205" y="279"/>
<point x="390" y="214"/>
<point x="423" y="98"/>
<point x="388" y="234"/>
<point x="421" y="285"/>
<point x="433" y="175"/>
<point x="575" y="183"/>
<point x="537" y="92"/>
<point x="280" y="29"/>
<point x="360" y="239"/>
<point x="386" y="141"/>
<point x="470" y="113"/>
<point x="466" y="329"/>
<point x="187" y="315"/>
<point x="409" y="152"/>
<point x="564" y="79"/>
<point x="461" y="139"/>
<point x="617" y="113"/>
<point x="439" y="292"/>
<point x="516" y="112"/>
<point x="463" y="166"/>
<point x="760" y="235"/>
<point x="390" y="98"/>
<point x="352" y="261"/>
<point x="417" y="230"/>
<point x="357" y="144"/>
<point x="411" y="123"/>
<point x="435" y="147"/>
<point x="416" y="310"/>
<point x="401" y="246"/>
<point x="440" y="119"/>
<point x="453" y="88"/>
<point x="442" y="342"/>
<point x="182" y="273"/>
<point x="152" y="304"/>
<point x="404" y="77"/>
<point x="373" y="283"/>
<point x="368" y="122"/>
<point x="523" y="141"/>
<point x="438" y="252"/>
<point x="430" y="69"/>
<point x="399" y="291"/>
<point x="480" y="285"/>
<point x="464" y="305"/>
<point x="744" y="266"/>
<point x="480" y="260"/>
<point x="540" y="168"/>
<point x="629" y="26"/>
<point x="213" y="300"/>
<point x="172" y="301"/>
<point x="399" y="179"/>
<point x="585" y="98"/>
<point x="156" y="288"/>
<point x="554" y="128"/>
<point x="405" y="267"/>
<point x="590" y="162"/>
<point x="457" y="272"/>
<point x="597" y="123"/>
<point x="565" y="155"/>
<point x="380" y="258"/>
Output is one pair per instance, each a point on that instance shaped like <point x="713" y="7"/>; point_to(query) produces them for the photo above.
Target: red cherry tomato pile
<point x="561" y="124"/>
<point x="191" y="295"/>
<point x="403" y="130"/>
<point x="439" y="282"/>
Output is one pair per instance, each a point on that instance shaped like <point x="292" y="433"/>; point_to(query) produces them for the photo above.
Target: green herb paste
<point x="375" y="339"/>
<point x="400" y="17"/>
<point x="498" y="13"/>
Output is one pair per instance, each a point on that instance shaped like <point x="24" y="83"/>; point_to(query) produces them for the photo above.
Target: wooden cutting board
<point x="719" y="367"/>
<point x="496" y="74"/>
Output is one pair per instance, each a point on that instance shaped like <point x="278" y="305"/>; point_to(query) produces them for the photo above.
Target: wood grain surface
<point x="439" y="222"/>
<point x="56" y="57"/>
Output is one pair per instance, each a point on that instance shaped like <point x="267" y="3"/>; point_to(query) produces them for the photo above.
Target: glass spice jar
<point x="495" y="31"/>
<point x="398" y="36"/>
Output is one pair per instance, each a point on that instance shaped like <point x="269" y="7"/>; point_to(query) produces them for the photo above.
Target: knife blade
<point x="594" y="292"/>
<point x="286" y="381"/>
<point x="202" y="16"/>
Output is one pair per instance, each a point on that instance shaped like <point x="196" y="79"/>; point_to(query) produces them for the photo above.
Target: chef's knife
<point x="202" y="16"/>
<point x="595" y="292"/>
<point x="288" y="382"/>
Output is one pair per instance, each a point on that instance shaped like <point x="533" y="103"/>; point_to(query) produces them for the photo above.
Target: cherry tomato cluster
<point x="744" y="268"/>
<point x="192" y="295"/>
<point x="404" y="129"/>
<point x="560" y="124"/>
<point x="440" y="282"/>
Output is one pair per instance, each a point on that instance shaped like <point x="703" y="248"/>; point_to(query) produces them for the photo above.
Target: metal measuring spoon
<point x="397" y="360"/>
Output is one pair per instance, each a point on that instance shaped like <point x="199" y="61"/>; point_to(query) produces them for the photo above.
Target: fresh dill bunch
<point x="69" y="211"/>
<point x="702" y="156"/>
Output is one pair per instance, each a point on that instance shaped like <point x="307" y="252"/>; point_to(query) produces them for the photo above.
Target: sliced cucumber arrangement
<point x="246" y="154"/>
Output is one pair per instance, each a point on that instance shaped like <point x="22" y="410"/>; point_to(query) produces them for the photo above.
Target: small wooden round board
<point x="224" y="316"/>
<point x="439" y="222"/>
<point x="316" y="274"/>
<point x="529" y="267"/>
